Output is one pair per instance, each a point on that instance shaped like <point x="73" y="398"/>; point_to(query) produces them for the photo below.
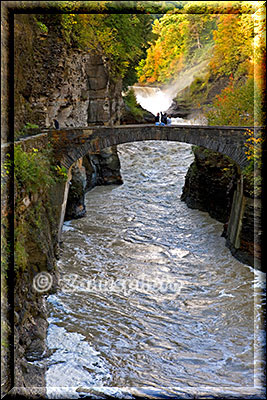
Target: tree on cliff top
<point x="177" y="35"/>
<point x="121" y="38"/>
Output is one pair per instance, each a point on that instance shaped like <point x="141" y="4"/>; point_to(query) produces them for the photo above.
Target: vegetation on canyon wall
<point x="186" y="34"/>
<point x="236" y="51"/>
<point x="27" y="130"/>
<point x="231" y="91"/>
<point x="28" y="233"/>
<point x="34" y="175"/>
<point x="121" y="38"/>
<point x="131" y="104"/>
<point x="179" y="37"/>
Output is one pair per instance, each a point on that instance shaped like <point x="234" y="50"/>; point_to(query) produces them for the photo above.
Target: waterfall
<point x="152" y="99"/>
<point x="155" y="99"/>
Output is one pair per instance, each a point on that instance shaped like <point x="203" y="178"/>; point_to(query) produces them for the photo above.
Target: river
<point x="174" y="309"/>
<point x="151" y="302"/>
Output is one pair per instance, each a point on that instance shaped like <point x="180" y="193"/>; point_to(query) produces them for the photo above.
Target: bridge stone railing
<point x="70" y="144"/>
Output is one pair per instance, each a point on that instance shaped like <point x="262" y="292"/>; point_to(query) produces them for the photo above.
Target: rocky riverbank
<point x="56" y="81"/>
<point x="97" y="169"/>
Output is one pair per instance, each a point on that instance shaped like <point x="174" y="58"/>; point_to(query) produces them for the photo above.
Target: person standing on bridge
<point x="157" y="119"/>
<point x="163" y="119"/>
<point x="56" y="124"/>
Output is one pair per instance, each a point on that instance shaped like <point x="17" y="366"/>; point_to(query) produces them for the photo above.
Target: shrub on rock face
<point x="253" y="172"/>
<point x="132" y="105"/>
<point x="32" y="170"/>
<point x="234" y="105"/>
<point x="35" y="177"/>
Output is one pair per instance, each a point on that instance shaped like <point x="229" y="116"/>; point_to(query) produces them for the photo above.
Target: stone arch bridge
<point x="70" y="144"/>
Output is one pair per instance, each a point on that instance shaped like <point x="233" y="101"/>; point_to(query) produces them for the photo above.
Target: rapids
<point x="151" y="299"/>
<point x="151" y="302"/>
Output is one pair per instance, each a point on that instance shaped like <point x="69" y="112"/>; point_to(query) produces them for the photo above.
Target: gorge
<point x="118" y="231"/>
<point x="150" y="302"/>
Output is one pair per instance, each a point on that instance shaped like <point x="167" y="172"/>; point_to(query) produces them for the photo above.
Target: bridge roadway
<point x="70" y="144"/>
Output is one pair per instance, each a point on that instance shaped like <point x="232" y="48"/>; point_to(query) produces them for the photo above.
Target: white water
<point x="152" y="99"/>
<point x="197" y="334"/>
<point x="200" y="340"/>
<point x="155" y="99"/>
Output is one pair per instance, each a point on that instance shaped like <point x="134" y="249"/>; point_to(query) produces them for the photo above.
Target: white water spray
<point x="155" y="99"/>
<point x="152" y="99"/>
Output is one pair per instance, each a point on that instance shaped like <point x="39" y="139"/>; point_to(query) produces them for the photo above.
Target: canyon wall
<point x="210" y="183"/>
<point x="52" y="81"/>
<point x="215" y="184"/>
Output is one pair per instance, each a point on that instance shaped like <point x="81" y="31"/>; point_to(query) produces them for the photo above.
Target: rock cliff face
<point x="75" y="207"/>
<point x="36" y="221"/>
<point x="97" y="169"/>
<point x="243" y="232"/>
<point x="210" y="183"/>
<point x="214" y="184"/>
<point x="107" y="167"/>
<point x="55" y="81"/>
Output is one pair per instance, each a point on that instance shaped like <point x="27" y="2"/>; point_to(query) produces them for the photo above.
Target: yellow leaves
<point x="142" y="78"/>
<point x="156" y="27"/>
<point x="248" y="132"/>
<point x="255" y="140"/>
<point x="164" y="57"/>
<point x="254" y="146"/>
<point x="233" y="43"/>
<point x="72" y="19"/>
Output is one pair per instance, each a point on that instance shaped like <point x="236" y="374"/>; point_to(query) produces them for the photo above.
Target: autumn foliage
<point x="120" y="38"/>
<point x="240" y="53"/>
<point x="177" y="36"/>
<point x="236" y="32"/>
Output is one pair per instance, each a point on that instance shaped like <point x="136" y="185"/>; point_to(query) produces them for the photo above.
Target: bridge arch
<point x="73" y="143"/>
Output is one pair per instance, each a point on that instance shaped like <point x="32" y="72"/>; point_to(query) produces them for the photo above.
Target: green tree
<point x="164" y="55"/>
<point x="235" y="105"/>
<point x="120" y="38"/>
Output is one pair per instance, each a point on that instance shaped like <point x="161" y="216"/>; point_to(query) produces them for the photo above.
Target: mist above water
<point x="156" y="99"/>
<point x="152" y="99"/>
